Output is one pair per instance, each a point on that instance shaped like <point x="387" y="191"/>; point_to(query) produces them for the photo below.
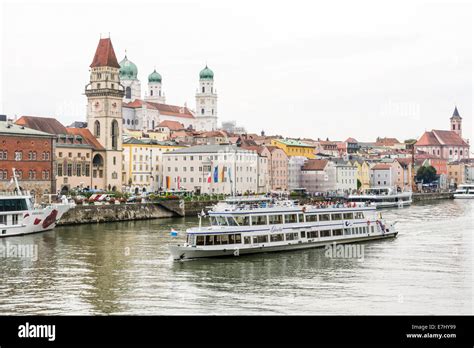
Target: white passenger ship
<point x="239" y="228"/>
<point x="19" y="215"/>
<point x="464" y="191"/>
<point x="383" y="197"/>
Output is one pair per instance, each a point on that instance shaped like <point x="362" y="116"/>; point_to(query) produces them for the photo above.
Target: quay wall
<point x="421" y="197"/>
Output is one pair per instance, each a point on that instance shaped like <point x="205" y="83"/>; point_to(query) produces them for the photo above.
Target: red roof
<point x="44" y="124"/>
<point x="172" y="125"/>
<point x="382" y="166"/>
<point x="386" y="141"/>
<point x="351" y="140"/>
<point x="164" y="109"/>
<point x="87" y="136"/>
<point x="315" y="164"/>
<point x="404" y="162"/>
<point x="105" y="55"/>
<point x="440" y="137"/>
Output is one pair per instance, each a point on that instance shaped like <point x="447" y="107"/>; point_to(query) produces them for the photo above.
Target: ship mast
<point x="16" y="182"/>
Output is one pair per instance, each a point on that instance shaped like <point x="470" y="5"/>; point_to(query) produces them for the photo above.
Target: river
<point x="125" y="268"/>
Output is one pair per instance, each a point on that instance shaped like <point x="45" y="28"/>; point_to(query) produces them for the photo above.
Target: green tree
<point x="359" y="184"/>
<point x="426" y="174"/>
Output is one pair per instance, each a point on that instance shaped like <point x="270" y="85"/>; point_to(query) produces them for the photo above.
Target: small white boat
<point x="19" y="215"/>
<point x="464" y="191"/>
<point x="264" y="226"/>
<point x="383" y="197"/>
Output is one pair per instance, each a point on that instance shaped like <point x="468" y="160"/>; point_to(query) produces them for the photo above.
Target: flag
<point x="173" y="233"/>
<point x="168" y="182"/>
<point x="222" y="174"/>
<point x="179" y="182"/>
<point x="216" y="174"/>
<point x="229" y="174"/>
<point x="209" y="177"/>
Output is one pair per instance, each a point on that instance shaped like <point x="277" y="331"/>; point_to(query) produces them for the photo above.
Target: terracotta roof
<point x="44" y="124"/>
<point x="351" y="140"/>
<point x="315" y="164"/>
<point x="272" y="148"/>
<point x="211" y="134"/>
<point x="258" y="149"/>
<point x="386" y="141"/>
<point x="87" y="136"/>
<point x="404" y="162"/>
<point x="440" y="137"/>
<point x="105" y="55"/>
<point x="172" y="125"/>
<point x="164" y="109"/>
<point x="381" y="166"/>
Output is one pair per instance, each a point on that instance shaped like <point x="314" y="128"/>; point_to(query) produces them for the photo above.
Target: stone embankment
<point x="421" y="197"/>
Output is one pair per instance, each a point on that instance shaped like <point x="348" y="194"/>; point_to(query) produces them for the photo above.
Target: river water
<point x="125" y="268"/>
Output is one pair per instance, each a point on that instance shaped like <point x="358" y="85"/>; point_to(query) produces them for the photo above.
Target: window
<point x="276" y="237"/>
<point x="237" y="238"/>
<point x="210" y="240"/>
<point x="246" y="240"/>
<point x="290" y="218"/>
<point x="347" y="231"/>
<point x="303" y="234"/>
<point x="242" y="220"/>
<point x="15" y="219"/>
<point x="259" y="220"/>
<point x="60" y="169"/>
<point x="114" y="134"/>
<point x="313" y="234"/>
<point x="336" y="216"/>
<point x="69" y="169"/>
<point x="78" y="170"/>
<point x="311" y="218"/>
<point x="300" y="217"/>
<point x="18" y="155"/>
<point x="87" y="169"/>
<point x="348" y="216"/>
<point x="325" y="233"/>
<point x="359" y="215"/>
<point x="291" y="236"/>
<point x="337" y="232"/>
<point x="260" y="239"/>
<point x="128" y="93"/>
<point x="275" y="219"/>
<point x="324" y="217"/>
<point x="97" y="128"/>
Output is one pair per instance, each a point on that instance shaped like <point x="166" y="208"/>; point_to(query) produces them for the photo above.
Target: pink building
<point x="277" y="169"/>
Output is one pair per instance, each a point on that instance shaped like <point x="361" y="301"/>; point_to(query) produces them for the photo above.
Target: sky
<point x="332" y="69"/>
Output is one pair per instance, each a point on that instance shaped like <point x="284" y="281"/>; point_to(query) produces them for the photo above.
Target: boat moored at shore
<point x="464" y="191"/>
<point x="383" y="197"/>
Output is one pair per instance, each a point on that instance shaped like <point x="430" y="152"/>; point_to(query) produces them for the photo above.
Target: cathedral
<point x="146" y="113"/>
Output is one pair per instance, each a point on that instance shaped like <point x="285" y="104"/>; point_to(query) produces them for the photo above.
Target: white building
<point x="211" y="169"/>
<point x="346" y="176"/>
<point x="383" y="175"/>
<point x="318" y="176"/>
<point x="294" y="171"/>
<point x="206" y="102"/>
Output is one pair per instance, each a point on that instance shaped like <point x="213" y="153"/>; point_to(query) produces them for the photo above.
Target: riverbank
<point x="422" y="197"/>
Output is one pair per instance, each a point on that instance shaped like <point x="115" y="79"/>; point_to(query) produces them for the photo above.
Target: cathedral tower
<point x="155" y="93"/>
<point x="104" y="116"/>
<point x="206" y="101"/>
<point x="128" y="77"/>
<point x="456" y="122"/>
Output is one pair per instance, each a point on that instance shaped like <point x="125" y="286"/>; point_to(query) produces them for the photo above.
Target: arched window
<point x="115" y="134"/>
<point x="202" y="111"/>
<point x="454" y="126"/>
<point x="203" y="89"/>
<point x="128" y="121"/>
<point x="153" y="124"/>
<point x="128" y="93"/>
<point x="151" y="92"/>
<point x="97" y="128"/>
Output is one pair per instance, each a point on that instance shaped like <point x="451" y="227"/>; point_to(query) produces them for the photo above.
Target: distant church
<point x="445" y="144"/>
<point x="145" y="114"/>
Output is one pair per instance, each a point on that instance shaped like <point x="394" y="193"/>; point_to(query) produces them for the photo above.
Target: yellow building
<point x="295" y="147"/>
<point x="363" y="173"/>
<point x="142" y="165"/>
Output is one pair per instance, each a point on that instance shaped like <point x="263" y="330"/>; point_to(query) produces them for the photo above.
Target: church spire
<point x="105" y="55"/>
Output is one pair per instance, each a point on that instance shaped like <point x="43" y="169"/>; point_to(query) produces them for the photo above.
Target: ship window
<point x="13" y="204"/>
<point x="325" y="233"/>
<point x="242" y="220"/>
<point x="313" y="234"/>
<point x="300" y="217"/>
<point x="291" y="236"/>
<point x="259" y="220"/>
<point x="224" y="239"/>
<point x="311" y="218"/>
<point x="200" y="240"/>
<point x="3" y="219"/>
<point x="231" y="239"/>
<point x="359" y="215"/>
<point x="372" y="229"/>
<point x="209" y="240"/>
<point x="219" y="221"/>
<point x="260" y="239"/>
<point x="303" y="234"/>
<point x="15" y="219"/>
<point x="231" y="221"/>
<point x="275" y="219"/>
<point x="324" y="217"/>
<point x="290" y="218"/>
<point x="247" y="240"/>
<point x="337" y="232"/>
<point x="336" y="217"/>
<point x="348" y="216"/>
<point x="276" y="237"/>
<point x="217" y="240"/>
<point x="347" y="231"/>
<point x="237" y="239"/>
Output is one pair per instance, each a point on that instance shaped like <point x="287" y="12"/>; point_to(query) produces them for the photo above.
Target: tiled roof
<point x="44" y="124"/>
<point x="404" y="162"/>
<point x="440" y="137"/>
<point x="172" y="125"/>
<point x="164" y="109"/>
<point x="87" y="136"/>
<point x="314" y="164"/>
<point x="386" y="141"/>
<point x="351" y="140"/>
<point x="209" y="149"/>
<point x="381" y="166"/>
<point x="293" y="142"/>
<point x="14" y="129"/>
<point x="105" y="55"/>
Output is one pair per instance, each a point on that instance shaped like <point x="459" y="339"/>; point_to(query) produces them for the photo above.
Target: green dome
<point x="154" y="77"/>
<point x="206" y="74"/>
<point x="128" y="70"/>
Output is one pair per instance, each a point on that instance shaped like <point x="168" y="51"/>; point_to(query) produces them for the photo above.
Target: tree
<point x="359" y="184"/>
<point x="426" y="174"/>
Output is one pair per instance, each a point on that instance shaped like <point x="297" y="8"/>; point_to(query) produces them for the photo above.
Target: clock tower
<point x="104" y="116"/>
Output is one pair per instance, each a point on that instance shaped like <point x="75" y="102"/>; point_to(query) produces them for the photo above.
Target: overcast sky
<point x="296" y="68"/>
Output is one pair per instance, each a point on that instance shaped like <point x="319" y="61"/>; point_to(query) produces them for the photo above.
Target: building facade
<point x="294" y="171"/>
<point x="318" y="176"/>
